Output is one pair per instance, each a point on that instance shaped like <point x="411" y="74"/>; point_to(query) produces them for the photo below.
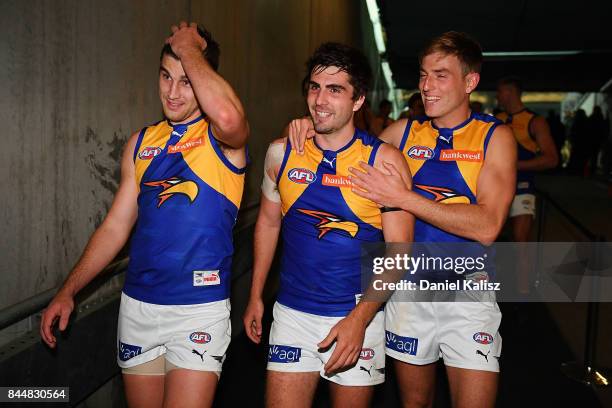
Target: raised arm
<point x="214" y="94"/>
<point x="103" y="246"/>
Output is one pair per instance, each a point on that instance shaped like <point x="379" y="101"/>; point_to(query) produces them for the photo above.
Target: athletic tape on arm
<point x="274" y="157"/>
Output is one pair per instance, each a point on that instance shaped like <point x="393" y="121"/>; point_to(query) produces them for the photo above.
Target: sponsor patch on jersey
<point x="483" y="338"/>
<point x="332" y="180"/>
<point x="206" y="278"/>
<point x="301" y="176"/>
<point x="284" y="354"/>
<point x="366" y="354"/>
<point x="461" y="155"/>
<point x="149" y="152"/>
<point x="420" y="153"/>
<point x="186" y="145"/>
<point x="405" y="345"/>
<point x="127" y="351"/>
<point x="200" y="337"/>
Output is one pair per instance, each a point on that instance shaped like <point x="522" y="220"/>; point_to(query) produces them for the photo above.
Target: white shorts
<point x="195" y="337"/>
<point x="464" y="334"/>
<point x="523" y="204"/>
<point x="293" y="347"/>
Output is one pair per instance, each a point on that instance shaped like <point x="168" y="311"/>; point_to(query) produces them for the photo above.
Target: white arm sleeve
<point x="274" y="157"/>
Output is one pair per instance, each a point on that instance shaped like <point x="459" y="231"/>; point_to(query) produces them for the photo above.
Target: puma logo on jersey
<point x="329" y="222"/>
<point x="173" y="186"/>
<point x="330" y="162"/>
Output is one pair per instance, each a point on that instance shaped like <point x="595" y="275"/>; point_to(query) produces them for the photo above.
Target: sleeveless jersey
<point x="445" y="164"/>
<point x="526" y="144"/>
<point x="189" y="195"/>
<point x="324" y="224"/>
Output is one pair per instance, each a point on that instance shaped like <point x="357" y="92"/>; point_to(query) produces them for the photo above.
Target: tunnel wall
<point x="79" y="77"/>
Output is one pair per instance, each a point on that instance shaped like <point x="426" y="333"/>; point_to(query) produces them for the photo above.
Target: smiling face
<point x="445" y="88"/>
<point x="178" y="100"/>
<point x="330" y="100"/>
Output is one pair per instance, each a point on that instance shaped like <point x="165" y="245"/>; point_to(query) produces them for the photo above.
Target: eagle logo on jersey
<point x="174" y="186"/>
<point x="444" y="195"/>
<point x="330" y="222"/>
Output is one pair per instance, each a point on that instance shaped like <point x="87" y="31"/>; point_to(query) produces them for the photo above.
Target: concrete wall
<point x="79" y="76"/>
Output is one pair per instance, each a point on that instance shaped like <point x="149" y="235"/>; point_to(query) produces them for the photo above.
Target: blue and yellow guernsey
<point x="445" y="164"/>
<point x="189" y="195"/>
<point x="520" y="123"/>
<point x="324" y="224"/>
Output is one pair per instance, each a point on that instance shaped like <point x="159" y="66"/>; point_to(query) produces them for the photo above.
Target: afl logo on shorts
<point x="200" y="337"/>
<point x="149" y="152"/>
<point x="420" y="153"/>
<point x="301" y="176"/>
<point x="483" y="338"/>
<point x="366" y="354"/>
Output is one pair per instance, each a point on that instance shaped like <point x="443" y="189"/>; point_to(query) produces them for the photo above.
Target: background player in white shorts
<point x="536" y="152"/>
<point x="173" y="325"/>
<point x="463" y="166"/>
<point x="320" y="328"/>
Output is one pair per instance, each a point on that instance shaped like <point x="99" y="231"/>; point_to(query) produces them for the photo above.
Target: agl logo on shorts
<point x="420" y="153"/>
<point x="200" y="337"/>
<point x="284" y="354"/>
<point x="127" y="351"/>
<point x="301" y="176"/>
<point x="401" y="344"/>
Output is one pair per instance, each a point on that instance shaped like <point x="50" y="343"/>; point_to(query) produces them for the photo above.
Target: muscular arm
<point x="214" y="94"/>
<point x="481" y="221"/>
<point x="267" y="230"/>
<point x="548" y="157"/>
<point x="103" y="246"/>
<point x="397" y="226"/>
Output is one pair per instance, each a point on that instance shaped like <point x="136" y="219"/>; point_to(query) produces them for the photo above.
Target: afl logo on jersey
<point x="301" y="176"/>
<point x="149" y="152"/>
<point x="200" y="337"/>
<point x="420" y="153"/>
<point x="483" y="338"/>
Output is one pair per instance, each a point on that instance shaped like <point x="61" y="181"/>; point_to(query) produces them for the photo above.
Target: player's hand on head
<point x="384" y="187"/>
<point x="59" y="310"/>
<point x="185" y="37"/>
<point x="300" y="130"/>
<point x="252" y="319"/>
<point x="348" y="334"/>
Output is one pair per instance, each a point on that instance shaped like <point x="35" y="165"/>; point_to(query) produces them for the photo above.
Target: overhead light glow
<point x="375" y="19"/>
<point x="531" y="53"/>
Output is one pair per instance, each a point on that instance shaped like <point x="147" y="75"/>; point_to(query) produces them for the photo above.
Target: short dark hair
<point x="413" y="99"/>
<point x="211" y="53"/>
<point x="459" y="44"/>
<point x="346" y="59"/>
<point x="512" y="80"/>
